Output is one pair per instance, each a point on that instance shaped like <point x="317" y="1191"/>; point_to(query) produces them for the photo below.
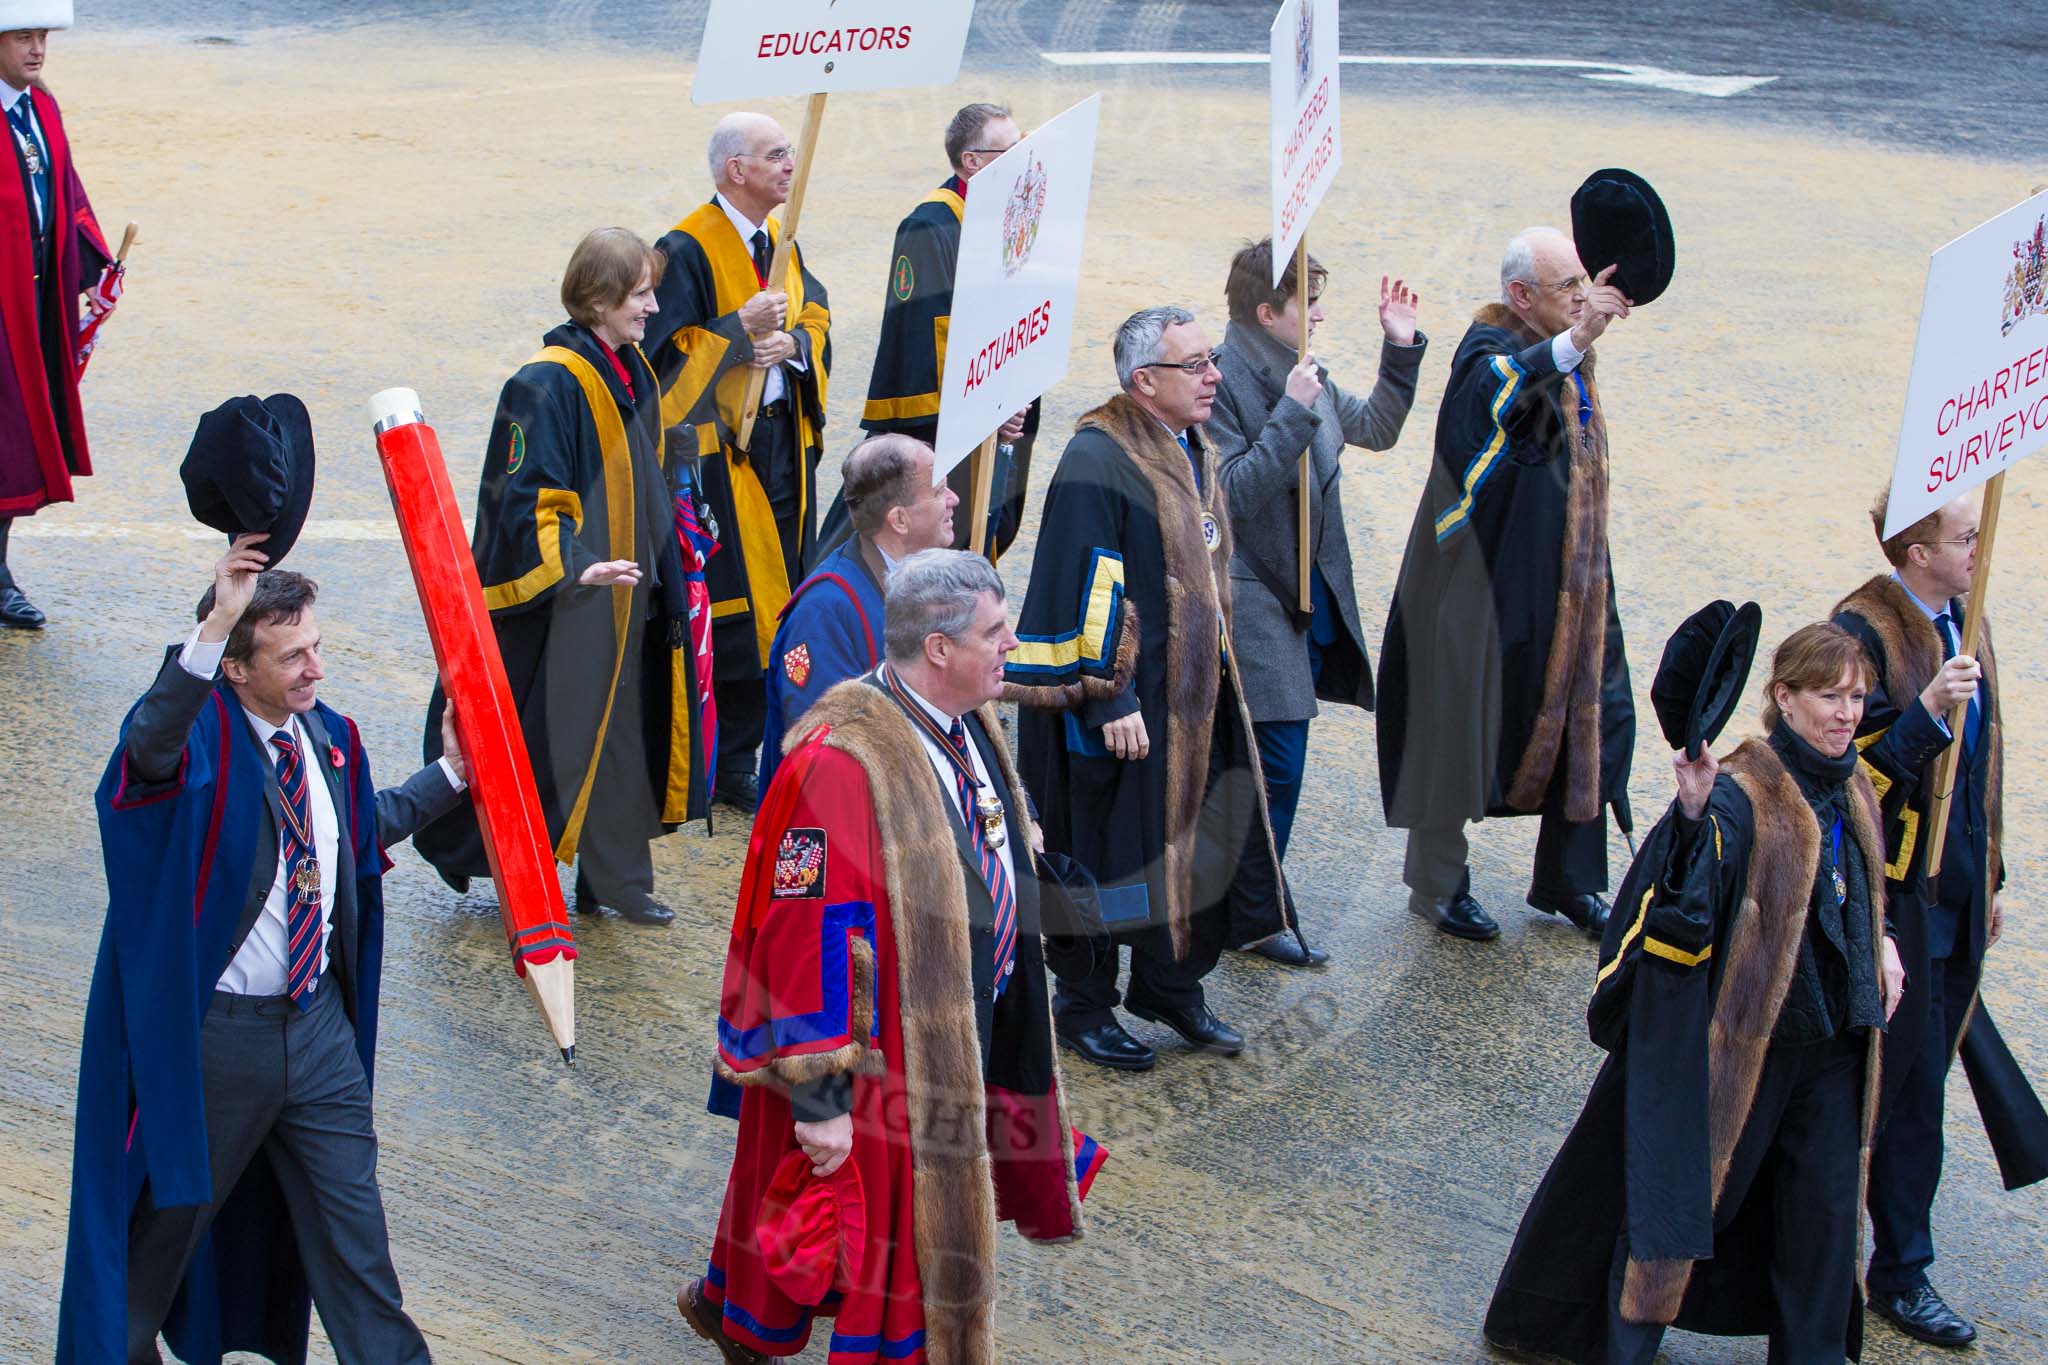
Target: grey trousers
<point x="287" y="1084"/>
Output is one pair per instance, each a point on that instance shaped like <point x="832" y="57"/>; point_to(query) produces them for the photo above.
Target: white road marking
<point x="331" y="531"/>
<point x="1618" y="73"/>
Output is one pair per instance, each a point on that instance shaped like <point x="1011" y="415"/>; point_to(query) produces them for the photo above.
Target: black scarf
<point x="1836" y="985"/>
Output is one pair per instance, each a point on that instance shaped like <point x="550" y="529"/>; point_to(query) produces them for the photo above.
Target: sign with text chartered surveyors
<point x="1018" y="274"/>
<point x="1977" y="401"/>
<point x="763" y="49"/>
<point x="1307" y="147"/>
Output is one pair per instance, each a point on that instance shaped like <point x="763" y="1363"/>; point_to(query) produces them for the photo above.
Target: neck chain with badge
<point x="988" y="807"/>
<point x="1205" y="494"/>
<point x="31" y="153"/>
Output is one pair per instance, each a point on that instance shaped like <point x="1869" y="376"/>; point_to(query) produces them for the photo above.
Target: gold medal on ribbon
<point x="33" y="155"/>
<point x="988" y="807"/>
<point x="306" y="878"/>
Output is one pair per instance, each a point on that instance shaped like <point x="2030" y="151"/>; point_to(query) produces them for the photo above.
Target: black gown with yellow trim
<point x="699" y="352"/>
<point x="910" y="365"/>
<point x="574" y="476"/>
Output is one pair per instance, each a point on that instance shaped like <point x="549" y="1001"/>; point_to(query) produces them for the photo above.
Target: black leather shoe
<point x="1287" y="949"/>
<point x="16" y="611"/>
<point x="1107" y="1044"/>
<point x="1195" y="1024"/>
<point x="1586" y="910"/>
<point x="708" y="1322"/>
<point x="739" y="790"/>
<point x="649" y="911"/>
<point x="1921" y="1315"/>
<point x="1460" y="916"/>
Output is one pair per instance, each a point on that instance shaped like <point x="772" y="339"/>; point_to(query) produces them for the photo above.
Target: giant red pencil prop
<point x="466" y="649"/>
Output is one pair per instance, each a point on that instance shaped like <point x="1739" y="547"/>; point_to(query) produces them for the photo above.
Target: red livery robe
<point x="862" y="947"/>
<point x="42" y="427"/>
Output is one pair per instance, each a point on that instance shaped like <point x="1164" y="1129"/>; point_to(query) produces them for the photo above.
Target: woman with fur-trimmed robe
<point x="1713" y="1180"/>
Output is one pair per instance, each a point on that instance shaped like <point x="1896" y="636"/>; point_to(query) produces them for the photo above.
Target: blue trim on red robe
<point x="179" y="859"/>
<point x="836" y="616"/>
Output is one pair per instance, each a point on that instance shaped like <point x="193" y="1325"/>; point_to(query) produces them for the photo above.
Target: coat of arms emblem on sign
<point x="2026" y="289"/>
<point x="1304" y="48"/>
<point x="1021" y="214"/>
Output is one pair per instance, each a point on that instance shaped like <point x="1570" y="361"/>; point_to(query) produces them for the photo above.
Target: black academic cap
<point x="1617" y="219"/>
<point x="250" y="468"/>
<point x="1705" y="667"/>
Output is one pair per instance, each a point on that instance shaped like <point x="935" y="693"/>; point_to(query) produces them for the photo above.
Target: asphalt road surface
<point x="343" y="198"/>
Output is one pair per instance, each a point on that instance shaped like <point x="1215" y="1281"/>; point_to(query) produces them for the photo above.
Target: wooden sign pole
<point x="1307" y="602"/>
<point x="778" y="269"/>
<point x="1959" y="715"/>
<point x="983" y="473"/>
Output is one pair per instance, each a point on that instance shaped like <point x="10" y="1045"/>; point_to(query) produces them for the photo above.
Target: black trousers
<point x="287" y="1084"/>
<point x="1571" y="858"/>
<point x="743" y="701"/>
<point x="1905" y="1167"/>
<point x="1804" y="1137"/>
<point x="1087" y="992"/>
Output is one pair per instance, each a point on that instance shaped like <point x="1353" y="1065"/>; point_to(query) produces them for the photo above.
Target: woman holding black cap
<point x="1713" y="1180"/>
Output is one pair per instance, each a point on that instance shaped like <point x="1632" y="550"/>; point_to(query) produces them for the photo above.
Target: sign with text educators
<point x="1307" y="147"/>
<point x="1977" y="401"/>
<point x="762" y="49"/>
<point x="1014" y="287"/>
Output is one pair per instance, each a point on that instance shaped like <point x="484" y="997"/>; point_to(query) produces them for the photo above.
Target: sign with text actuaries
<point x="1977" y="401"/>
<point x="1307" y="147"/>
<point x="762" y="49"/>
<point x="1014" y="287"/>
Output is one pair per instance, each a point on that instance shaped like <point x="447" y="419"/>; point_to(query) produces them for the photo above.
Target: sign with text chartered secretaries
<point x="1014" y="287"/>
<point x="1977" y="401"/>
<point x="762" y="49"/>
<point x="1307" y="147"/>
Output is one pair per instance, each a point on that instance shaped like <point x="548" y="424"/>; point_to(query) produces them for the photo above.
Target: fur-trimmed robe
<point x="1695" y="968"/>
<point x="1503" y="684"/>
<point x="863" y="944"/>
<point x="1901" y="747"/>
<point x="1129" y="612"/>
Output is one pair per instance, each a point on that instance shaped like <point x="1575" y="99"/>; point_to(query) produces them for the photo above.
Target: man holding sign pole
<point x="721" y="318"/>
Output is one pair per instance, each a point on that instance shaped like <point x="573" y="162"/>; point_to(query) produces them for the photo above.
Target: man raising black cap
<point x="1503" y="687"/>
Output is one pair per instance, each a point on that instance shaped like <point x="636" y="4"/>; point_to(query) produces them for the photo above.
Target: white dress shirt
<point x="776" y="386"/>
<point x="949" y="776"/>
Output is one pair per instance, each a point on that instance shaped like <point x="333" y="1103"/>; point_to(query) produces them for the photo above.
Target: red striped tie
<point x="302" y="925"/>
<point x="999" y="889"/>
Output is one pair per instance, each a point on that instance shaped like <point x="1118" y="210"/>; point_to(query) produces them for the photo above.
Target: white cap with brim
<point x="20" y="14"/>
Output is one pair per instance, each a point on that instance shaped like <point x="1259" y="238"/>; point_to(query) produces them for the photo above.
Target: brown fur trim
<point x="1569" y="715"/>
<point x="1507" y="320"/>
<point x="1762" y="955"/>
<point x="1072" y="696"/>
<point x="1197" y="590"/>
<point x="953" y="1190"/>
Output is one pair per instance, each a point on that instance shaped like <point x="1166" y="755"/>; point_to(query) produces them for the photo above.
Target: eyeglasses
<point x="1965" y="541"/>
<point x="774" y="156"/>
<point x="1574" y="285"/>
<point x="1201" y="364"/>
<point x="989" y="151"/>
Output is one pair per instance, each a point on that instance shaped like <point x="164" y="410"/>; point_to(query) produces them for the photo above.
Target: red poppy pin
<point x="334" y="756"/>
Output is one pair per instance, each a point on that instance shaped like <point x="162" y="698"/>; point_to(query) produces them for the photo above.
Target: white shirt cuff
<point x="201" y="658"/>
<point x="796" y="361"/>
<point x="1566" y="355"/>
<point x="448" y="771"/>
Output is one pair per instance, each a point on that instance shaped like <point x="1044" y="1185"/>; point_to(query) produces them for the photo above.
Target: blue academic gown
<point x="179" y="857"/>
<point x="830" y="630"/>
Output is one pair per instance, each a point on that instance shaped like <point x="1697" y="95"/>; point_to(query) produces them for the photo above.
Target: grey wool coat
<point x="1259" y="434"/>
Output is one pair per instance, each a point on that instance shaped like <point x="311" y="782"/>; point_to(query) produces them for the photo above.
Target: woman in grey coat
<point x="1269" y="408"/>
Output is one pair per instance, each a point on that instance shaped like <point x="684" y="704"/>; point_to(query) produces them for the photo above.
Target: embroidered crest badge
<point x="1212" y="534"/>
<point x="2026" y="288"/>
<point x="517" y="455"/>
<point x="796" y="664"/>
<point x="800" y="866"/>
<point x="1021" y="213"/>
<point x="903" y="280"/>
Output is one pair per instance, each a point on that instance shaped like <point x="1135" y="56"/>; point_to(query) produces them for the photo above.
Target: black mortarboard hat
<point x="250" y="468"/>
<point x="1705" y="667"/>
<point x="1617" y="219"/>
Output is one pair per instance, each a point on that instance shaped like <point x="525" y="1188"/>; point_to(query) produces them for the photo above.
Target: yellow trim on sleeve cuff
<point x="548" y="509"/>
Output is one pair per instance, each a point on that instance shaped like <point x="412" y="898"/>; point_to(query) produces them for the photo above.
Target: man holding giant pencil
<point x="225" y="1166"/>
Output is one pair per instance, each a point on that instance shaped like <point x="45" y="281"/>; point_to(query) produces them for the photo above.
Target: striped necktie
<point x="999" y="889"/>
<point x="303" y="929"/>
